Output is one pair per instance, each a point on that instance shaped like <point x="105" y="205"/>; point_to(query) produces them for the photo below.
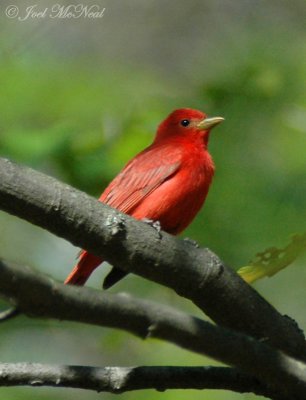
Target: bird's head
<point x="187" y="123"/>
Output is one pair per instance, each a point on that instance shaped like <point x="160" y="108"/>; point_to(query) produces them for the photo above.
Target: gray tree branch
<point x="122" y="379"/>
<point x="38" y="296"/>
<point x="194" y="273"/>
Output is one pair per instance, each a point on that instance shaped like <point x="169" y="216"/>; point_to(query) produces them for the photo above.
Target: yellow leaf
<point x="272" y="260"/>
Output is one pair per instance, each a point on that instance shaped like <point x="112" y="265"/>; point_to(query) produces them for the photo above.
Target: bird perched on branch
<point x="166" y="182"/>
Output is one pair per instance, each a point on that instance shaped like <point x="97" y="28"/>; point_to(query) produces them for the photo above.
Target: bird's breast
<point x="176" y="201"/>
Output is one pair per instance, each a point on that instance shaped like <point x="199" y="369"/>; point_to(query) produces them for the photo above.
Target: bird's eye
<point x="185" y="122"/>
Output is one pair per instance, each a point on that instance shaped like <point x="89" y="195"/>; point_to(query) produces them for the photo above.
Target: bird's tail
<point x="83" y="269"/>
<point x="114" y="276"/>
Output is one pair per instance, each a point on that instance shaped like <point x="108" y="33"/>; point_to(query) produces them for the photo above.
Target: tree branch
<point x="38" y="296"/>
<point x="123" y="379"/>
<point x="194" y="273"/>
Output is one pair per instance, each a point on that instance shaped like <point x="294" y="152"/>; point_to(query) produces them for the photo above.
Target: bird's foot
<point x="192" y="242"/>
<point x="155" y="224"/>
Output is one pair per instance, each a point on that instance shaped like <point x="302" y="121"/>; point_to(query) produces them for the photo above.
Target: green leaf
<point x="272" y="260"/>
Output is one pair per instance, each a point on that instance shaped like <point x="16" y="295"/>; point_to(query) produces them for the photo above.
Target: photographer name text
<point x="72" y="11"/>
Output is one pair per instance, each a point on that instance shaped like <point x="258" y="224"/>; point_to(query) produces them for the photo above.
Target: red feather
<point x="167" y="182"/>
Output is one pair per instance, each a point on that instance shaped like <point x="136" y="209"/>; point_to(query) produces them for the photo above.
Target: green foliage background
<point x="79" y="97"/>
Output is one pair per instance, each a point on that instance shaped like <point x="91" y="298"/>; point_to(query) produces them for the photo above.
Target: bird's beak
<point x="209" y="123"/>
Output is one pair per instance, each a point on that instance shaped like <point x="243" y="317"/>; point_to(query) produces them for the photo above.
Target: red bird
<point x="167" y="182"/>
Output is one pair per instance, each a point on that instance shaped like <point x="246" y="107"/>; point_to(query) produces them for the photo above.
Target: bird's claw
<point x="192" y="242"/>
<point x="155" y="224"/>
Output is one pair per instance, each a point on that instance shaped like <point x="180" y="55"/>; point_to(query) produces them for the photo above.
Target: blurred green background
<point x="80" y="96"/>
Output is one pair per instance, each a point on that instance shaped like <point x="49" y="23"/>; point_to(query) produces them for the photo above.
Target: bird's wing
<point x="140" y="177"/>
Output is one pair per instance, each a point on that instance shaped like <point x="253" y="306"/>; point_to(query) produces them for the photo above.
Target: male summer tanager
<point x="166" y="182"/>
